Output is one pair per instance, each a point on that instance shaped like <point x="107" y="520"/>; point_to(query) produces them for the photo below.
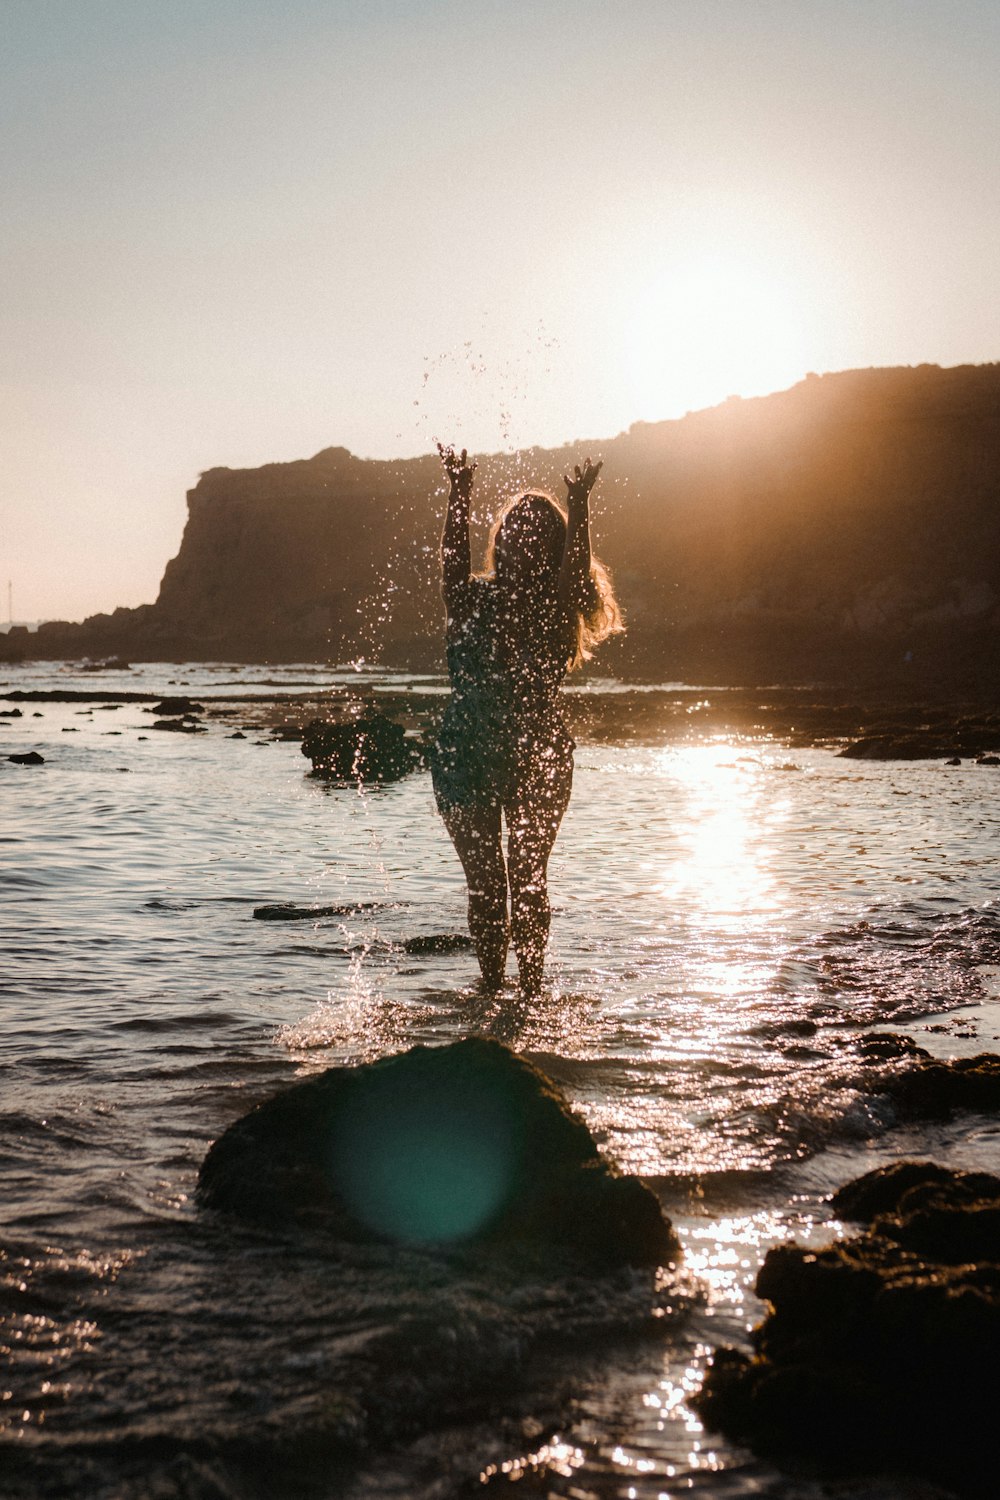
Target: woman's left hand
<point x="579" y="487"/>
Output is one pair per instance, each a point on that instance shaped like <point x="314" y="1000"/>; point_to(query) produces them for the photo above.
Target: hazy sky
<point x="236" y="231"/>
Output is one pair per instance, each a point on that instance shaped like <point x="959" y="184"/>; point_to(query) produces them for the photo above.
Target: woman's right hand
<point x="458" y="469"/>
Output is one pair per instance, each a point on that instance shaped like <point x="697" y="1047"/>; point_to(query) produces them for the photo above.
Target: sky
<point x="237" y="232"/>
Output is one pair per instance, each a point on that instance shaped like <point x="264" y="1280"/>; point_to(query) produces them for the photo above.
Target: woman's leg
<point x="533" y="820"/>
<point x="475" y="832"/>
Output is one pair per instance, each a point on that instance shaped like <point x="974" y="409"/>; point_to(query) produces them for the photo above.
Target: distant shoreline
<point x="604" y="712"/>
<point x="844" y="530"/>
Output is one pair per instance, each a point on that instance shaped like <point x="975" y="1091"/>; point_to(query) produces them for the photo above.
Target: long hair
<point x="600" y="615"/>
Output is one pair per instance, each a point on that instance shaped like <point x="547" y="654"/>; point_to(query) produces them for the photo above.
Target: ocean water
<point x="731" y="917"/>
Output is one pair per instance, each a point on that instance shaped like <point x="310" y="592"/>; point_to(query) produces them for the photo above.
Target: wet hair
<point x="538" y="521"/>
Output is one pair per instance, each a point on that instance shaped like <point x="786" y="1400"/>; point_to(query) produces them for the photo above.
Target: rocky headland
<point x="844" y="530"/>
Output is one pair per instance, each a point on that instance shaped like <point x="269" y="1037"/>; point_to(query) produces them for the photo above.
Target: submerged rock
<point x="438" y="1145"/>
<point x="881" y="1349"/>
<point x="437" y="942"/>
<point x="369" y="749"/>
<point x="287" y="911"/>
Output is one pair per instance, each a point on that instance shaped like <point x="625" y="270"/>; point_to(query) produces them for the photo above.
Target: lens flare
<point x="422" y="1168"/>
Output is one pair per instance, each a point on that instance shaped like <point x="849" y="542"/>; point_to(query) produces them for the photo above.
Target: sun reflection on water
<point x="555" y="1457"/>
<point x="721" y="865"/>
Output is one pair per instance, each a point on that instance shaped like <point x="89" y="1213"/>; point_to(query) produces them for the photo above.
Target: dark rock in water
<point x="181" y="726"/>
<point x="897" y="747"/>
<point x="943" y="737"/>
<point x="438" y="1145"/>
<point x="10" y="713"/>
<point x="935" y="1089"/>
<point x="284" y="911"/>
<point x="888" y="1046"/>
<point x="926" y="1087"/>
<point x="797" y="1026"/>
<point x="908" y="1187"/>
<point x="437" y="942"/>
<point x="27" y="758"/>
<point x="168" y="707"/>
<point x="237" y="735"/>
<point x="882" y="1349"/>
<point x="368" y="749"/>
<point x="930" y="1088"/>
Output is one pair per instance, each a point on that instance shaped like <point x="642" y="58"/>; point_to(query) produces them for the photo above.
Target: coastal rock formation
<point x="368" y="749"/>
<point x="845" y="528"/>
<point x="880" y="1351"/>
<point x="438" y="1145"/>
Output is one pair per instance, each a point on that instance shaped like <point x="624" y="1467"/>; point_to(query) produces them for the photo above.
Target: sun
<point x="710" y="328"/>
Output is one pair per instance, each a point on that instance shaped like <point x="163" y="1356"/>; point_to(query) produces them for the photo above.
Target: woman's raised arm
<point x="575" y="588"/>
<point x="456" y="554"/>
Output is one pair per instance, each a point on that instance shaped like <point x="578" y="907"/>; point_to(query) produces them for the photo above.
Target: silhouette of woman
<point x="514" y="630"/>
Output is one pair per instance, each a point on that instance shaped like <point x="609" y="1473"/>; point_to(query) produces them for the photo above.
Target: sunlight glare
<point x="723" y="862"/>
<point x="709" y="329"/>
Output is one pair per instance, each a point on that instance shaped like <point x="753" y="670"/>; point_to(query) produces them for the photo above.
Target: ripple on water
<point x="722" y="935"/>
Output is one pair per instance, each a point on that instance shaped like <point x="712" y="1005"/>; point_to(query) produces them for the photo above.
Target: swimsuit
<point x="503" y="737"/>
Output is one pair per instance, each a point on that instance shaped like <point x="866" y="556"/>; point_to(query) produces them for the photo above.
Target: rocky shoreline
<point x="861" y="726"/>
<point x="879" y="1352"/>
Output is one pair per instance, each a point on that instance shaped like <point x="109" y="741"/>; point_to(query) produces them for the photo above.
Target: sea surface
<point x="731" y="917"/>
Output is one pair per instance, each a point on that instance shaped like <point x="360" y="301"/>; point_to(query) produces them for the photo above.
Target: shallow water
<point x="730" y="916"/>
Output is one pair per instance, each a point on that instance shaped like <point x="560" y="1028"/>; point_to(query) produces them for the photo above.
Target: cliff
<point x="848" y="526"/>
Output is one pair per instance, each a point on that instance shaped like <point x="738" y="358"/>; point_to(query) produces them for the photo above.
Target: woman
<point x="514" y="631"/>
